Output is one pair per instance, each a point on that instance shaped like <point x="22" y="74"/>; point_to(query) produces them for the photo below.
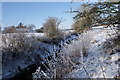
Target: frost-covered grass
<point x="72" y="63"/>
<point x="83" y="57"/>
<point x="97" y="64"/>
<point x="18" y="41"/>
<point x="20" y="51"/>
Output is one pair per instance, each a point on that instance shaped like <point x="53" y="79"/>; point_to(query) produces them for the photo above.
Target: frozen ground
<point x="97" y="64"/>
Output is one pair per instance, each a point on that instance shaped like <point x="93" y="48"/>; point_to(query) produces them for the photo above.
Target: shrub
<point x="65" y="61"/>
<point x="111" y="45"/>
<point x="17" y="43"/>
<point x="82" y="25"/>
<point x="51" y="27"/>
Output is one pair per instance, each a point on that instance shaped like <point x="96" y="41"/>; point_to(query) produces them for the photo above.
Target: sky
<point x="12" y="12"/>
<point x="0" y="12"/>
<point x="51" y="0"/>
<point x="37" y="12"/>
<point x="56" y="0"/>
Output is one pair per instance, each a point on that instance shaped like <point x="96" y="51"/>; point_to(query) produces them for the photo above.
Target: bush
<point x="65" y="61"/>
<point x="51" y="27"/>
<point x="17" y="43"/>
<point x="112" y="44"/>
<point x="82" y="25"/>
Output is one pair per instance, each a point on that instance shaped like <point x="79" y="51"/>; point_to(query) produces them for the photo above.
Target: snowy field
<point x="28" y="34"/>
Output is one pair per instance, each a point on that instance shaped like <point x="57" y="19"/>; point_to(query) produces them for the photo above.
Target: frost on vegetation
<point x="68" y="57"/>
<point x="21" y="50"/>
<point x="72" y="63"/>
<point x="17" y="45"/>
<point x="97" y="64"/>
<point x="16" y="40"/>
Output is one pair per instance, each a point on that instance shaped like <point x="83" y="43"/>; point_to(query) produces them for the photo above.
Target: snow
<point x="9" y="36"/>
<point x="67" y="32"/>
<point x="28" y="34"/>
<point x="24" y="58"/>
<point x="115" y="57"/>
<point x="97" y="63"/>
<point x="35" y="34"/>
<point x="104" y="27"/>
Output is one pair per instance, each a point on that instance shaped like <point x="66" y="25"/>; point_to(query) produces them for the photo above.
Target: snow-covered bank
<point x="19" y="52"/>
<point x="85" y="57"/>
<point x="17" y="58"/>
<point x="97" y="64"/>
<point x="70" y="61"/>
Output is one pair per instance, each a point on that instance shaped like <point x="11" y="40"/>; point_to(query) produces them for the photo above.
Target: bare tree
<point x="51" y="27"/>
